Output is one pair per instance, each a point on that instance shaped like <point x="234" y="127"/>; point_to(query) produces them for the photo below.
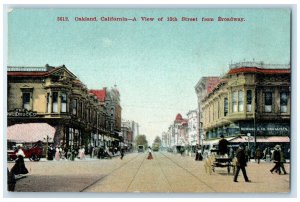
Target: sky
<point x="155" y="64"/>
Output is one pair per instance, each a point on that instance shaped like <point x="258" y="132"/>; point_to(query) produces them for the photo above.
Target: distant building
<point x="180" y="131"/>
<point x="193" y="128"/>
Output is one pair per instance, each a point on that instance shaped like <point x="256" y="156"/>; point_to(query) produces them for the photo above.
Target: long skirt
<point x="19" y="167"/>
<point x="150" y="156"/>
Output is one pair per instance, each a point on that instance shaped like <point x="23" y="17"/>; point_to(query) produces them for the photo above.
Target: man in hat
<point x="241" y="163"/>
<point x="276" y="159"/>
<point x="223" y="146"/>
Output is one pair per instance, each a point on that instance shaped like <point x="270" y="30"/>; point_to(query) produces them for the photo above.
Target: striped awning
<point x="30" y="132"/>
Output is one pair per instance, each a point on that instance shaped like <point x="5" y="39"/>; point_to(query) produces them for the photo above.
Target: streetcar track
<point x="135" y="174"/>
<point x="108" y="174"/>
<point x="158" y="162"/>
<point x="189" y="172"/>
<point x="138" y="170"/>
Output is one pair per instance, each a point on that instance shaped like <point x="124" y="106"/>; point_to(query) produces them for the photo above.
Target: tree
<point x="141" y="140"/>
<point x="157" y="140"/>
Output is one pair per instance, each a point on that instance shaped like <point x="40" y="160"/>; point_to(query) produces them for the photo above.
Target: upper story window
<point x="283" y="102"/>
<point x="249" y="100"/>
<point x="241" y="101"/>
<point x="26" y="100"/>
<point x="48" y="103"/>
<point x="55" y="102"/>
<point x="225" y="106"/>
<point x="235" y="101"/>
<point x="63" y="107"/>
<point x="268" y="101"/>
<point x="74" y="107"/>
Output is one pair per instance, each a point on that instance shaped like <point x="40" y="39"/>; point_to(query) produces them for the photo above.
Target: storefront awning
<point x="262" y="139"/>
<point x="216" y="141"/>
<point x="30" y="132"/>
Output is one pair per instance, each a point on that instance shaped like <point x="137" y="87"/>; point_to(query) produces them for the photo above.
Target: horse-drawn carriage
<point x="214" y="160"/>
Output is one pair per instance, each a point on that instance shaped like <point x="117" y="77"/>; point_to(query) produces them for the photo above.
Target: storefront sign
<point x="21" y="113"/>
<point x="266" y="128"/>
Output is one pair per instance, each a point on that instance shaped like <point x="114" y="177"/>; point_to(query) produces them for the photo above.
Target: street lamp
<point x="249" y="135"/>
<point x="47" y="141"/>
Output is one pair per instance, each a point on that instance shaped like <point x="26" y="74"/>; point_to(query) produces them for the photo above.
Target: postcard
<point x="149" y="100"/>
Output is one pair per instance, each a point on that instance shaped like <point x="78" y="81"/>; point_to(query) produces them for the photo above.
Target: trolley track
<point x="196" y="177"/>
<point x="108" y="174"/>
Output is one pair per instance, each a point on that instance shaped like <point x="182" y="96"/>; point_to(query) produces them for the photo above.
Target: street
<point x="167" y="172"/>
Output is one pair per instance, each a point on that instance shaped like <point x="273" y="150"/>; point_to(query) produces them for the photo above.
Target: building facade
<point x="193" y="128"/>
<point x="54" y="95"/>
<point x="204" y="86"/>
<point x="251" y="103"/>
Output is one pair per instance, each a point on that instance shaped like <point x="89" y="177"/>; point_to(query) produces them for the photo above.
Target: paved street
<point x="165" y="173"/>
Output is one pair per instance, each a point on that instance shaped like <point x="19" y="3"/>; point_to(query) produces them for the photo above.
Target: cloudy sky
<point x="155" y="64"/>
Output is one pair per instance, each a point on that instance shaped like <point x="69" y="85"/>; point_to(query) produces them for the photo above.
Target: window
<point x="48" y="103"/>
<point x="26" y="101"/>
<point x="74" y="107"/>
<point x="63" y="107"/>
<point x="235" y="101"/>
<point x="55" y="102"/>
<point x="241" y="101"/>
<point x="225" y="106"/>
<point x="268" y="101"/>
<point x="249" y="100"/>
<point x="283" y="102"/>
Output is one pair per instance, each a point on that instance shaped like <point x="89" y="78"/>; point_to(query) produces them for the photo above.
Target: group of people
<point x="65" y="153"/>
<point x="242" y="158"/>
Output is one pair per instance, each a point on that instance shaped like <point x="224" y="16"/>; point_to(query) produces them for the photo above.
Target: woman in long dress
<point x="19" y="167"/>
<point x="81" y="153"/>
<point x="57" y="154"/>
<point x="149" y="153"/>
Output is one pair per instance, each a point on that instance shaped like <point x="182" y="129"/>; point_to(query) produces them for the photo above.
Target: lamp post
<point x="249" y="135"/>
<point x="47" y="142"/>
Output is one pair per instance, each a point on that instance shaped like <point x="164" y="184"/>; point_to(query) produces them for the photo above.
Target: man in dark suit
<point x="223" y="146"/>
<point x="241" y="163"/>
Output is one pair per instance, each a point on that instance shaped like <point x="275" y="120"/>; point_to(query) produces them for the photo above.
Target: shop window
<point x="63" y="107"/>
<point x="55" y="102"/>
<point x="241" y="101"/>
<point x="26" y="100"/>
<point x="283" y="102"/>
<point x="235" y="101"/>
<point x="268" y="101"/>
<point x="249" y="100"/>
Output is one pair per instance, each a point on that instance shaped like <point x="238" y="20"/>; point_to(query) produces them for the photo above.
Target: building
<point x="204" y="86"/>
<point x="54" y="95"/>
<point x="193" y="130"/>
<point x="251" y="103"/>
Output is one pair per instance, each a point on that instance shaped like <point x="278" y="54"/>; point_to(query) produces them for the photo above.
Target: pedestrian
<point x="19" y="167"/>
<point x="282" y="161"/>
<point x="150" y="157"/>
<point x="241" y="163"/>
<point x="82" y="153"/>
<point x="57" y="154"/>
<point x="50" y="152"/>
<point x="258" y="154"/>
<point x="199" y="156"/>
<point x="223" y="146"/>
<point x="181" y="151"/>
<point x="276" y="159"/>
<point x="11" y="181"/>
<point x="122" y="153"/>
